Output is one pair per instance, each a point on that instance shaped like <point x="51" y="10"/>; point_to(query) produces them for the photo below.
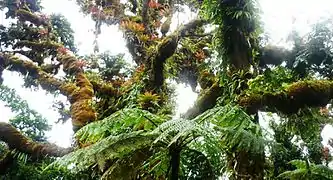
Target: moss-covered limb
<point x="315" y="93"/>
<point x="38" y="46"/>
<point x="206" y="100"/>
<point x="298" y="95"/>
<point x="15" y="140"/>
<point x="80" y="94"/>
<point x="70" y="64"/>
<point x="24" y="15"/>
<point x="81" y="108"/>
<point x="104" y="88"/>
<point x="47" y="82"/>
<point x="165" y="50"/>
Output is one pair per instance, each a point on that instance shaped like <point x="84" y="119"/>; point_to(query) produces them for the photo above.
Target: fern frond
<point x="173" y="127"/>
<point x="127" y="168"/>
<point x="22" y="157"/>
<point x="235" y="127"/>
<point x="112" y="148"/>
<point x="299" y="164"/>
<point x="294" y="175"/>
<point x="123" y="121"/>
<point x="323" y="172"/>
<point x="313" y="171"/>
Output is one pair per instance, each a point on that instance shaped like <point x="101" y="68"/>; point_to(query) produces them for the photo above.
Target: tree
<point x="17" y="165"/>
<point x="123" y="117"/>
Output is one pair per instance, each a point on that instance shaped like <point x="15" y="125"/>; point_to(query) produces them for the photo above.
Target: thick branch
<point x="192" y="25"/>
<point x="104" y="88"/>
<point x="80" y="94"/>
<point x="25" y="15"/>
<point x="206" y="101"/>
<point x="81" y="103"/>
<point x="47" y="82"/>
<point x="298" y="95"/>
<point x="15" y="140"/>
<point x="166" y="49"/>
<point x="145" y="17"/>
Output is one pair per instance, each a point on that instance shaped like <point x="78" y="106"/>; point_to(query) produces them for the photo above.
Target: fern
<point x="235" y="128"/>
<point x="117" y="146"/>
<point x="110" y="149"/>
<point x="123" y="121"/>
<point x="213" y="133"/>
<point x="307" y="171"/>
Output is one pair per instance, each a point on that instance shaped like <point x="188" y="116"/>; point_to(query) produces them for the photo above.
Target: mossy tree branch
<point x="80" y="94"/>
<point x="24" y="15"/>
<point x="15" y="140"/>
<point x="315" y="93"/>
<point x="166" y="49"/>
<point x="47" y="82"/>
<point x="206" y="100"/>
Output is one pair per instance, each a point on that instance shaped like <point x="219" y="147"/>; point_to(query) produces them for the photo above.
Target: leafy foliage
<point x="272" y="80"/>
<point x="63" y="31"/>
<point x="123" y="121"/>
<point x="305" y="170"/>
<point x="238" y="28"/>
<point x="107" y="150"/>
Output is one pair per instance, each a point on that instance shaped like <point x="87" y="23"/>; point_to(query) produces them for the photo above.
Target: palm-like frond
<point x="180" y="128"/>
<point x="235" y="127"/>
<point x="195" y="139"/>
<point x="123" y="121"/>
<point x="218" y="130"/>
<point x="120" y="151"/>
<point x="307" y="171"/>
<point x="296" y="174"/>
<point x="110" y="149"/>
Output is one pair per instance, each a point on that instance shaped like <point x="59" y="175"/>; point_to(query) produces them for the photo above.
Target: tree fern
<point x="123" y="121"/>
<point x="124" y="152"/>
<point x="213" y="133"/>
<point x="235" y="128"/>
<point x="110" y="149"/>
